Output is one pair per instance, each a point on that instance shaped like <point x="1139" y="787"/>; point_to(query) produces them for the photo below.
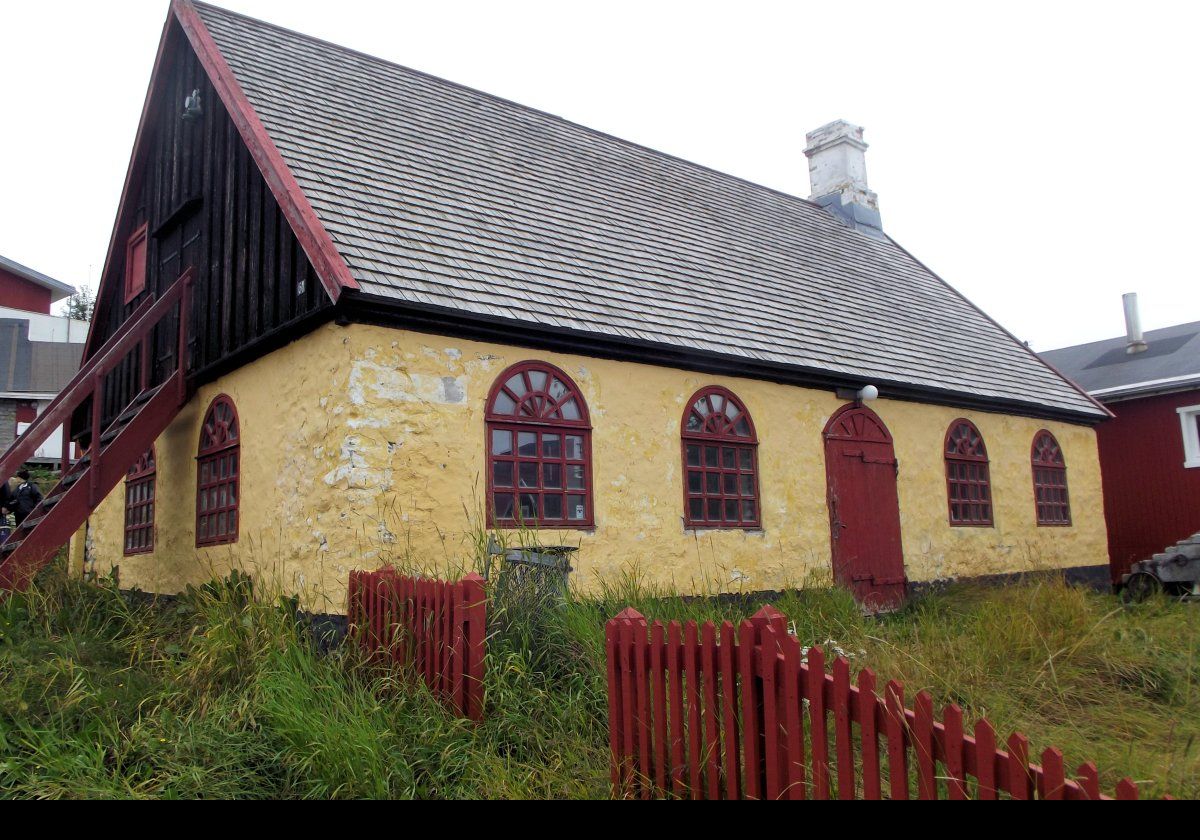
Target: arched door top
<point x="857" y="423"/>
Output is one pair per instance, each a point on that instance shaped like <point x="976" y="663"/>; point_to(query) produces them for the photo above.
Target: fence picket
<point x="952" y="720"/>
<point x="794" y="719"/>
<point x="1020" y="783"/>
<point x="751" y="733"/>
<point x="641" y="693"/>
<point x="692" y="693"/>
<point x="818" y="731"/>
<point x="675" y="675"/>
<point x="772" y="750"/>
<point x="868" y="717"/>
<point x="712" y="742"/>
<point x="729" y="713"/>
<point x="922" y="740"/>
<point x="897" y="746"/>
<point x="1089" y="780"/>
<point x="659" y="688"/>
<point x="1053" y="778"/>
<point x="841" y="732"/>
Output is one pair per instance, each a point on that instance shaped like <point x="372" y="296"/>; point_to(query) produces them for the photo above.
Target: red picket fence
<point x="720" y="713"/>
<point x="436" y="628"/>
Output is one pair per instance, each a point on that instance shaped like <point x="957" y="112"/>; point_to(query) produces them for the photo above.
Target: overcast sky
<point x="1041" y="157"/>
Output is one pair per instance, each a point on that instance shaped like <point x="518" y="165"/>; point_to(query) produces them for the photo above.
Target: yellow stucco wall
<point x="362" y="445"/>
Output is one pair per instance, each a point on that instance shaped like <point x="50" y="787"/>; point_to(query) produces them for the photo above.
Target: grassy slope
<point x="217" y="696"/>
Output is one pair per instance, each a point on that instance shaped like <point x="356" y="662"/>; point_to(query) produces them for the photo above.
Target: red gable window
<point x="1050" y="481"/>
<point x="218" y="472"/>
<point x="139" y="505"/>
<point x="968" y="478"/>
<point x="135" y="264"/>
<point x="720" y="462"/>
<point x="539" y="450"/>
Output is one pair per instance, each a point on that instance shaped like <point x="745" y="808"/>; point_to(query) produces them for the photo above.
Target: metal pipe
<point x="1133" y="325"/>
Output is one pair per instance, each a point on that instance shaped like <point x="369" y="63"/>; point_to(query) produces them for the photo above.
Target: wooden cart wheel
<point x="1141" y="587"/>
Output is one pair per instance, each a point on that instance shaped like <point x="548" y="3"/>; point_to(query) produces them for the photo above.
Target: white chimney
<point x="1136" y="342"/>
<point x="837" y="167"/>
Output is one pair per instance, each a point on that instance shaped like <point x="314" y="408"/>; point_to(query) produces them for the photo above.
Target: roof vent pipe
<point x="1133" y="325"/>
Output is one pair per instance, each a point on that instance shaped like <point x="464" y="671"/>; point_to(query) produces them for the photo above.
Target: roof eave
<point x="375" y="309"/>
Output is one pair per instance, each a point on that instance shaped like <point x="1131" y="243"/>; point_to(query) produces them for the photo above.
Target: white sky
<point x="1041" y="157"/>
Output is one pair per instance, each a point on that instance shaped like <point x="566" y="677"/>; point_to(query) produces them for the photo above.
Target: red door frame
<point x="864" y="508"/>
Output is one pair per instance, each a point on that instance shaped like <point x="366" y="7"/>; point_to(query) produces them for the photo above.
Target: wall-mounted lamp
<point x="192" y="108"/>
<point x="864" y="395"/>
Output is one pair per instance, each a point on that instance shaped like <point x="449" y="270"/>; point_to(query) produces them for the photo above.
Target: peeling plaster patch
<point x="371" y="383"/>
<point x="386" y="536"/>
<point x="453" y="354"/>
<point x="738" y="576"/>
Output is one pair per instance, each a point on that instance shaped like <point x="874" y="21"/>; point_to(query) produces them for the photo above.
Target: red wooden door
<point x="864" y="509"/>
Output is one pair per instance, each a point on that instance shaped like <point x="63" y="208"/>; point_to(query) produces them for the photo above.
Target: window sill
<point x="750" y="531"/>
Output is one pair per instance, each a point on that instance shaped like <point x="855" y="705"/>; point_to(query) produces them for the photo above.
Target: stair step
<point x="31" y="523"/>
<point x="51" y="501"/>
<point x="72" y="479"/>
<point x="10" y="546"/>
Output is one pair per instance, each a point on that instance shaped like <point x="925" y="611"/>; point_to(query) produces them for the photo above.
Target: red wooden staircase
<point x="114" y="450"/>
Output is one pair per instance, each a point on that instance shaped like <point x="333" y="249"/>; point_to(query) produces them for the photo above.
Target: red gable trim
<point x="331" y="268"/>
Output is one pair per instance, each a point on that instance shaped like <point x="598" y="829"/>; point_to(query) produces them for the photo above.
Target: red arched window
<point x="139" y="505"/>
<point x="720" y="462"/>
<point x="968" y="479"/>
<point x="218" y="472"/>
<point x="1050" y="481"/>
<point x="539" y="450"/>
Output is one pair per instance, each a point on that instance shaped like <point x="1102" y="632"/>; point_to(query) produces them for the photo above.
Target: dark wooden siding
<point x="1150" y="500"/>
<point x="208" y="207"/>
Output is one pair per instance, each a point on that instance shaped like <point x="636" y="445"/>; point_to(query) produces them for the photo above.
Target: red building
<point x="28" y="290"/>
<point x="1150" y="452"/>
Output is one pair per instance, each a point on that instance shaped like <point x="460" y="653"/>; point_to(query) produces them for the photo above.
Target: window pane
<point x="696" y="509"/>
<point x="504" y="506"/>
<point x="575" y="477"/>
<point x="747" y="485"/>
<point x="529" y="507"/>
<point x="576" y="508"/>
<point x="748" y="511"/>
<point x="701" y="407"/>
<point x="538" y="379"/>
<point x="551" y="446"/>
<point x="501" y="442"/>
<point x="552" y="476"/>
<point x="693" y="456"/>
<point x="731" y="510"/>
<point x="517" y="385"/>
<point x="527" y="445"/>
<point x="714" y="510"/>
<point x="502" y="474"/>
<point x="574" y="448"/>
<point x="694" y="423"/>
<point x="712" y="456"/>
<point x="529" y="475"/>
<point x="742" y="428"/>
<point x="718" y="402"/>
<point x="504" y="404"/>
<point x="569" y="410"/>
<point x="713" y="483"/>
<point x="553" y="506"/>
<point x="729" y="458"/>
<point x="695" y="482"/>
<point x="731" y="484"/>
<point x="557" y="389"/>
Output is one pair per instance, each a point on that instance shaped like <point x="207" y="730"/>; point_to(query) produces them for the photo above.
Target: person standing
<point x="25" y="498"/>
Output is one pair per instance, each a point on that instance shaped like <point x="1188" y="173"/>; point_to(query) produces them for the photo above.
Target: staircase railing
<point x="134" y="334"/>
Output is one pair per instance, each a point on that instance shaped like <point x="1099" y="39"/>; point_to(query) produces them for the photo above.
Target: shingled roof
<point x="441" y="197"/>
<point x="1171" y="361"/>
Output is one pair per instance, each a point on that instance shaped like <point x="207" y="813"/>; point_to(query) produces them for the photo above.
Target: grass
<point x="219" y="695"/>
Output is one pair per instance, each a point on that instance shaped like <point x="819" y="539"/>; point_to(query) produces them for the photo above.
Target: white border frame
<point x="1189" y="419"/>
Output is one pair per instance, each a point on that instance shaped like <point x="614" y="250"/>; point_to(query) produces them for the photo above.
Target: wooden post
<point x="476" y="613"/>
